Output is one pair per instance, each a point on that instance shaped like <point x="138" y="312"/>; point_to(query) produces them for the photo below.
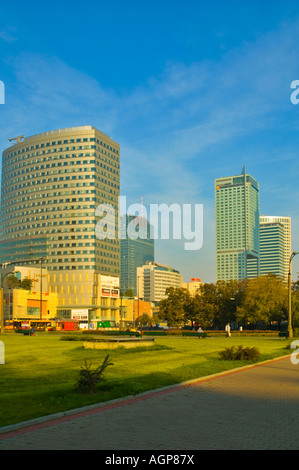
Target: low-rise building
<point x="40" y="307"/>
<point x="193" y="285"/>
<point x="27" y="305"/>
<point x="154" y="278"/>
<point x="23" y="305"/>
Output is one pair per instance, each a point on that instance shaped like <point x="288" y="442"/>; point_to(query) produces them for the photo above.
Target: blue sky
<point x="191" y="90"/>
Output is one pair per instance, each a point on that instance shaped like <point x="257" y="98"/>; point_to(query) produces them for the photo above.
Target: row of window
<point x="30" y="233"/>
<point x="46" y="199"/>
<point x="29" y="160"/>
<point x="105" y="193"/>
<point x="107" y="254"/>
<point x="54" y="209"/>
<point x="106" y="269"/>
<point x="108" y="165"/>
<point x="10" y="190"/>
<point x="20" y="176"/>
<point x="60" y="142"/>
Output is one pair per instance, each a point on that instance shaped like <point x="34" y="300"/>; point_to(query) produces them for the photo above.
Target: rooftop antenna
<point x="18" y="139"/>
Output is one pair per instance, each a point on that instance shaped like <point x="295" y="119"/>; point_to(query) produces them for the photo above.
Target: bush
<point x="71" y="338"/>
<point x="239" y="354"/>
<point x="88" y="378"/>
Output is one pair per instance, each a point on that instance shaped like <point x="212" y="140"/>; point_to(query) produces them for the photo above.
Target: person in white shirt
<point x="227" y="329"/>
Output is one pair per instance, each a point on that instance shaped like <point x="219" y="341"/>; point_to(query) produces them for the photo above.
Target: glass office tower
<point x="134" y="252"/>
<point x="275" y="245"/>
<point x="237" y="227"/>
<point x="52" y="184"/>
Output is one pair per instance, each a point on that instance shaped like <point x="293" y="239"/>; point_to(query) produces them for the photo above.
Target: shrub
<point x="239" y="353"/>
<point x="71" y="338"/>
<point x="89" y="379"/>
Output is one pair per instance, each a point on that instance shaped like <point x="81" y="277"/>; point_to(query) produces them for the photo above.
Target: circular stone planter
<point x="113" y="343"/>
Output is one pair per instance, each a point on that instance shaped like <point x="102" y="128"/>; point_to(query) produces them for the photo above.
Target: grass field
<point x="40" y="372"/>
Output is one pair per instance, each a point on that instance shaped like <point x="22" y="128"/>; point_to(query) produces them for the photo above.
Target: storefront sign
<point x="80" y="314"/>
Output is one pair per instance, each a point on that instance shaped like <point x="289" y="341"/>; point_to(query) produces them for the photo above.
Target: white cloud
<point x="8" y="34"/>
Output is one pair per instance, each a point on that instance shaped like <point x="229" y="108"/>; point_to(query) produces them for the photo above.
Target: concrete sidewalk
<point x="252" y="408"/>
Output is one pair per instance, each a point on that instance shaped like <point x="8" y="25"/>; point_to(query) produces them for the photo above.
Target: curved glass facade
<point x="51" y="185"/>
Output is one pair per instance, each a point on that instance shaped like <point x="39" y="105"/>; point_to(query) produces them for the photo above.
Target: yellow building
<point x="119" y="312"/>
<point x="113" y="313"/>
<point x="23" y="306"/>
<point x="193" y="285"/>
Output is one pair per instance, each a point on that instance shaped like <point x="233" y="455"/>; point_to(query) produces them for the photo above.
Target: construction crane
<point x="18" y="139"/>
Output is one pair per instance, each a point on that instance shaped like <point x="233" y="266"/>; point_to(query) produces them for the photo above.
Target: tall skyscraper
<point x="134" y="252"/>
<point x="52" y="184"/>
<point x="237" y="227"/>
<point x="275" y="245"/>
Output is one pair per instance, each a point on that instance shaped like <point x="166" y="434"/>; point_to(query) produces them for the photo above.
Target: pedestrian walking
<point x="227" y="330"/>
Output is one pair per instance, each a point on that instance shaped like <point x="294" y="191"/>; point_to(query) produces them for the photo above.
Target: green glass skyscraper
<point x="135" y="252"/>
<point x="237" y="227"/>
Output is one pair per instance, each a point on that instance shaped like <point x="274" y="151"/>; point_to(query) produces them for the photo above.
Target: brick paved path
<point x="252" y="408"/>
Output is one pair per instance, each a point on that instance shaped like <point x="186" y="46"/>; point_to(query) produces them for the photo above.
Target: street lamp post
<point x="41" y="290"/>
<point x="2" y="309"/>
<point x="2" y="300"/>
<point x="121" y="310"/>
<point x="290" y="327"/>
<point x="138" y="277"/>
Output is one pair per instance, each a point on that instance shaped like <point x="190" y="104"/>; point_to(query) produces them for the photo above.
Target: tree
<point x="129" y="293"/>
<point x="265" y="299"/>
<point x="191" y="309"/>
<point x="144" y="319"/>
<point x="26" y="283"/>
<point x="207" y="304"/>
<point x="295" y="304"/>
<point x="172" y="308"/>
<point x="295" y="286"/>
<point x="12" y="282"/>
<point x="180" y="307"/>
<point x="229" y="296"/>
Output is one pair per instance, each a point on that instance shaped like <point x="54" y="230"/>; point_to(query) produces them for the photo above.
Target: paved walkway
<point x="252" y="408"/>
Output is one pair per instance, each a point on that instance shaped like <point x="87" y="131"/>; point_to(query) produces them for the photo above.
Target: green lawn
<point x="40" y="372"/>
